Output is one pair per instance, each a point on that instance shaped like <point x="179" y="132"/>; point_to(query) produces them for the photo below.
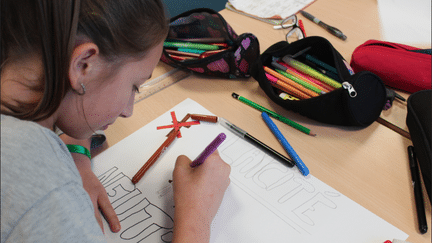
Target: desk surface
<point x="368" y="165"/>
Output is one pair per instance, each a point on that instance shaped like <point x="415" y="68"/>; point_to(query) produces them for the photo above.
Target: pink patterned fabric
<point x="244" y="66"/>
<point x="219" y="65"/>
<point x="246" y="43"/>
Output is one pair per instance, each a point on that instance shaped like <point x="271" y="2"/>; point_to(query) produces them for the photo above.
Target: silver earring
<point x="83" y="92"/>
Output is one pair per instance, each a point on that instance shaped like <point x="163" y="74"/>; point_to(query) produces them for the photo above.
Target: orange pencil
<point x="290" y="82"/>
<point x="180" y="58"/>
<point x="296" y="94"/>
<point x="297" y="74"/>
<point x="286" y="87"/>
<point x="207" y="118"/>
<point x="137" y="177"/>
<point x="325" y="87"/>
<point x="181" y="53"/>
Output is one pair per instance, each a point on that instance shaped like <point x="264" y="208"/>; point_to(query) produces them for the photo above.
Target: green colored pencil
<point x="299" y="81"/>
<point x="190" y="45"/>
<point x="310" y="71"/>
<point x="273" y="114"/>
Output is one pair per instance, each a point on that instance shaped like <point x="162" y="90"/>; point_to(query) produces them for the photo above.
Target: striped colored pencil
<point x="300" y="81"/>
<point x="325" y="87"/>
<point x="286" y="87"/>
<point x="273" y="114"/>
<point x="290" y="92"/>
<point x="310" y="71"/>
<point x="304" y="82"/>
<point x="290" y="82"/>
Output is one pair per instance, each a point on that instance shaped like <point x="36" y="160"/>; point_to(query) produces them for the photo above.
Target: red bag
<point x="399" y="66"/>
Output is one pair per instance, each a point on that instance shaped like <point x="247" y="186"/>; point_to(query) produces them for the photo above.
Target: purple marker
<point x="208" y="150"/>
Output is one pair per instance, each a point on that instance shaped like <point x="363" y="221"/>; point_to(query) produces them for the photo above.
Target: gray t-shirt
<point x="42" y="196"/>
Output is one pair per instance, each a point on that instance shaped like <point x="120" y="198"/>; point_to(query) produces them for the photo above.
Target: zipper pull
<point x="351" y="91"/>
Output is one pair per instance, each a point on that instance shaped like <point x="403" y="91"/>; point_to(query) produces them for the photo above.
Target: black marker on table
<point x="243" y="134"/>
<point x="421" y="215"/>
<point x="334" y="31"/>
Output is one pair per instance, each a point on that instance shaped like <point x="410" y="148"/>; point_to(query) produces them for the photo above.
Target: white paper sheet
<point x="270" y="8"/>
<point x="265" y="202"/>
<point x="406" y="22"/>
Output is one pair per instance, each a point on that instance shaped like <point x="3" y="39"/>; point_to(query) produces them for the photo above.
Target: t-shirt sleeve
<point x="68" y="217"/>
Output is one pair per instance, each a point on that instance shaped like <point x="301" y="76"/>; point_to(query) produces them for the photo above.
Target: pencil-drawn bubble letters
<point x="141" y="220"/>
<point x="289" y="193"/>
<point x="309" y="206"/>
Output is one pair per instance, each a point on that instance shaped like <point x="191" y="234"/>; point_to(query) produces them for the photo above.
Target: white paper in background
<point x="270" y="8"/>
<point x="406" y="22"/>
<point x="265" y="202"/>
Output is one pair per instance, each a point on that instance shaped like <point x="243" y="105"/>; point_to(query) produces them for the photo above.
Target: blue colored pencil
<point x="302" y="167"/>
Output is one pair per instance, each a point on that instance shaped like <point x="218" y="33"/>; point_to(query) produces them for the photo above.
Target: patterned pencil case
<point x="354" y="100"/>
<point x="202" y="41"/>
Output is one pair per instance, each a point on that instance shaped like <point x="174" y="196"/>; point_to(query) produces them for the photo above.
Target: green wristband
<point x="78" y="149"/>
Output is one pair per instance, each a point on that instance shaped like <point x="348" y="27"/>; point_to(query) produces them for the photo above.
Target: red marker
<point x="302" y="27"/>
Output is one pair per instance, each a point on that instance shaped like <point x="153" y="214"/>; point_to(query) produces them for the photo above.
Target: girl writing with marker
<point x="76" y="65"/>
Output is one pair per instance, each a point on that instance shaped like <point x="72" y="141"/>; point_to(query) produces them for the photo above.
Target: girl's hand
<point x="99" y="198"/>
<point x="93" y="186"/>
<point x="198" y="193"/>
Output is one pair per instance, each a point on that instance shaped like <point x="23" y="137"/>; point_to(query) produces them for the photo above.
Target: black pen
<point x="334" y="31"/>
<point x="421" y="215"/>
<point x="255" y="141"/>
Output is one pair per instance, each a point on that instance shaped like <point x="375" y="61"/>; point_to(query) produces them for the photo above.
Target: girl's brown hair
<point x="120" y="28"/>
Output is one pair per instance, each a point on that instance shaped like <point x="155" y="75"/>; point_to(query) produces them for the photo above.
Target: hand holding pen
<point x="198" y="193"/>
<point x="334" y="31"/>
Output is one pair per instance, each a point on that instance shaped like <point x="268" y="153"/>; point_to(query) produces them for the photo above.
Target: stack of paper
<point x="269" y="9"/>
<point x="406" y="22"/>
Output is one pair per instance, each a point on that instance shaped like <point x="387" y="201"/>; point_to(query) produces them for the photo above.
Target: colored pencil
<point x="208" y="150"/>
<point x="190" y="50"/>
<point x="286" y="88"/>
<point x="301" y="82"/>
<point x="190" y="45"/>
<point x="273" y="114"/>
<point x="180" y="53"/>
<point x="137" y="177"/>
<point x="290" y="82"/>
<point x="206" y="118"/>
<point x="296" y="78"/>
<point x="290" y="150"/>
<point x="325" y="87"/>
<point x="181" y="58"/>
<point x="310" y="71"/>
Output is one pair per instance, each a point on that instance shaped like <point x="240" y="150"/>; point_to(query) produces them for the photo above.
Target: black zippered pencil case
<point x="358" y="102"/>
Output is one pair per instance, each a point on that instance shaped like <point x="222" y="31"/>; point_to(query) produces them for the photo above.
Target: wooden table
<point x="368" y="165"/>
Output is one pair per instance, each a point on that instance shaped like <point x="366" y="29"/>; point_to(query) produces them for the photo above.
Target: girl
<point x="76" y="65"/>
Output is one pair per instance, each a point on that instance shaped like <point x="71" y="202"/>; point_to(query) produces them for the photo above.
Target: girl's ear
<point x="85" y="58"/>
